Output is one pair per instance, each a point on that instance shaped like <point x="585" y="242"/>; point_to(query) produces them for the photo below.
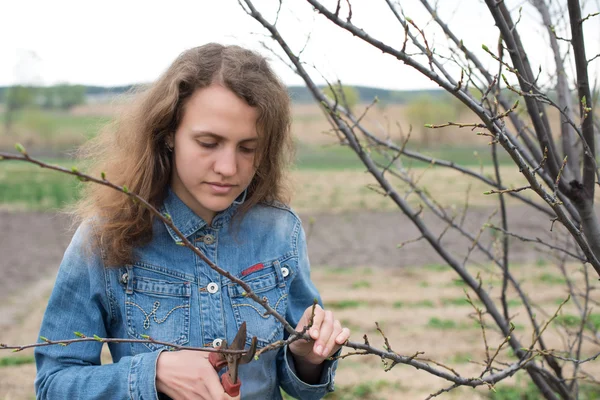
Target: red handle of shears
<point x="232" y="389"/>
<point x="218" y="361"/>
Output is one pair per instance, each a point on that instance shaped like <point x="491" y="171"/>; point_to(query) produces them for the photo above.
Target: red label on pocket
<point x="254" y="268"/>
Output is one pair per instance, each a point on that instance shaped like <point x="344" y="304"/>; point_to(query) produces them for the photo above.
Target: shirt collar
<point x="187" y="221"/>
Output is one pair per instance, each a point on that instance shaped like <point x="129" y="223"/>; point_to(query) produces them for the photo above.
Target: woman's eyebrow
<point x="219" y="137"/>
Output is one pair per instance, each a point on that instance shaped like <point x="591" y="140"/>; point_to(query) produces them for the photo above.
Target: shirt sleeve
<point x="79" y="303"/>
<point x="302" y="292"/>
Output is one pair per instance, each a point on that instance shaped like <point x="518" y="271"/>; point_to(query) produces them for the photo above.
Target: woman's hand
<point x="328" y="335"/>
<point x="188" y="374"/>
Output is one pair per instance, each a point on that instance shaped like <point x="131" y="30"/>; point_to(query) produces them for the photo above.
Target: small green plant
<point x="552" y="279"/>
<point x="559" y="301"/>
<point x="442" y="324"/>
<point x="423" y="304"/>
<point x="361" y="284"/>
<point x="458" y="301"/>
<point x="398" y="304"/>
<point x="541" y="262"/>
<point x="514" y="303"/>
<point x="14" y="361"/>
<point x="365" y="390"/>
<point x="350" y="325"/>
<point x="459" y="282"/>
<point x="339" y="270"/>
<point x="574" y="321"/>
<point x="460" y="358"/>
<point x="519" y="327"/>
<point x="346" y="304"/>
<point x="530" y="392"/>
<point x="436" y="267"/>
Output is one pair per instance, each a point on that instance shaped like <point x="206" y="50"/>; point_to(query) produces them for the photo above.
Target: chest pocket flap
<point x="269" y="283"/>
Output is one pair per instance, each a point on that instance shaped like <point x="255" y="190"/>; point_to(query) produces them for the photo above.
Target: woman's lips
<point x="220" y="188"/>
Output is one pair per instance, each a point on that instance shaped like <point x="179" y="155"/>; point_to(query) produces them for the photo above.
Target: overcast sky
<point x="119" y="42"/>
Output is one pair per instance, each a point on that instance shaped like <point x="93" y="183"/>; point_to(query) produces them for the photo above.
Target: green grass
<point x="18" y="360"/>
<point x="541" y="262"/>
<point x="345" y="304"/>
<point x="339" y="270"/>
<point x="460" y="155"/>
<point x="414" y="304"/>
<point x="459" y="282"/>
<point x="362" y="391"/>
<point x="514" y="303"/>
<point x="436" y="267"/>
<point x="50" y="125"/>
<point x="531" y="392"/>
<point x="422" y="304"/>
<point x="350" y="325"/>
<point x="461" y="358"/>
<point x="552" y="279"/>
<point x="336" y="157"/>
<point x="574" y="321"/>
<point x="441" y="324"/>
<point x="447" y="324"/>
<point x="559" y="301"/>
<point x="28" y="186"/>
<point x="361" y="284"/>
<point x="333" y="157"/>
<point x="366" y="390"/>
<point x="458" y="301"/>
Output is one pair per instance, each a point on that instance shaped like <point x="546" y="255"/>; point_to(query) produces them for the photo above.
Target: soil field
<point x="32" y="243"/>
<point x="361" y="273"/>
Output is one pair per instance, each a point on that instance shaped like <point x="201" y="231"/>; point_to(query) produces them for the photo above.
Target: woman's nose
<point x="226" y="163"/>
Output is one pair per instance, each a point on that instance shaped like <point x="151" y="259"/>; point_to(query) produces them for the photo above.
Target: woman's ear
<point x="169" y="142"/>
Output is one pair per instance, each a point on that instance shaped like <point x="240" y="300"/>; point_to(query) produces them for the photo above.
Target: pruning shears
<point x="229" y="379"/>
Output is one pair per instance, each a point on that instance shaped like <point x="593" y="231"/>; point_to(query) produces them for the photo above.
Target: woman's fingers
<point x="320" y="346"/>
<point x="331" y="343"/>
<point x="343" y="336"/>
<point x="327" y="333"/>
<point x="315" y="330"/>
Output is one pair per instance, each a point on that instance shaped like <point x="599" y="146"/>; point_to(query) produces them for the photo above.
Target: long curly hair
<point x="132" y="150"/>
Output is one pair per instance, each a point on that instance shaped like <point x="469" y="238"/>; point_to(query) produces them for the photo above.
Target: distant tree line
<point x="298" y="94"/>
<point x="66" y="96"/>
<point x="57" y="97"/>
<point x="61" y="96"/>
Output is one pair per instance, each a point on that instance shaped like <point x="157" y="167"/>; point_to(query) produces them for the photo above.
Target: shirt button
<point x="124" y="278"/>
<point x="212" y="288"/>
<point x="209" y="239"/>
<point x="285" y="271"/>
<point x="217" y="343"/>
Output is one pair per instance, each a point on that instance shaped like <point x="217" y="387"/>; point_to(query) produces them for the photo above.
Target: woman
<point x="206" y="144"/>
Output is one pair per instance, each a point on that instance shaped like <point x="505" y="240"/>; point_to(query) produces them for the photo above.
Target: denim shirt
<point x="171" y="295"/>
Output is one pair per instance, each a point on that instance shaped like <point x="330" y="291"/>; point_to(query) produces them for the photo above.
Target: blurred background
<point x="68" y="67"/>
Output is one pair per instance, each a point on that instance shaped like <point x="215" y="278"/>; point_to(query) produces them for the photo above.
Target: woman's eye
<point x="247" y="150"/>
<point x="208" y="145"/>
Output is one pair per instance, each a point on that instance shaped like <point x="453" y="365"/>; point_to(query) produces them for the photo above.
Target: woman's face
<point x="214" y="149"/>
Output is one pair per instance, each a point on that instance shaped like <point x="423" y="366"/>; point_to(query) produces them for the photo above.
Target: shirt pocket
<point x="268" y="282"/>
<point x="159" y="309"/>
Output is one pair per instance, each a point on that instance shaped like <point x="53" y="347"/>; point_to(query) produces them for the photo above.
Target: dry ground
<point x="403" y="301"/>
